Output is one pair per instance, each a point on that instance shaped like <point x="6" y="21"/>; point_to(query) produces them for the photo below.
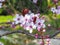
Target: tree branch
<point x="51" y="36"/>
<point x="4" y="33"/>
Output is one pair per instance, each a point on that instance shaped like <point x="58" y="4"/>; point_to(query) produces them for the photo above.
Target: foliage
<point x="5" y="18"/>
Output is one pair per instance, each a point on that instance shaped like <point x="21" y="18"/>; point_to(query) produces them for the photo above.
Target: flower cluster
<point x="30" y="21"/>
<point x="54" y="10"/>
<point x="1" y="1"/>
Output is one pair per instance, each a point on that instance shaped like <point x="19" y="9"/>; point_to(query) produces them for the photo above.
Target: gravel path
<point x="52" y="41"/>
<point x="55" y="41"/>
<point x="3" y="32"/>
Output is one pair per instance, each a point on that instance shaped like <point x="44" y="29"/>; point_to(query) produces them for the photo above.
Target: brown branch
<point x="25" y="32"/>
<point x="53" y="35"/>
<point x="17" y="31"/>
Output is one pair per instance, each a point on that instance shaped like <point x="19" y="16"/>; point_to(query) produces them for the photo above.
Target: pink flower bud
<point x="41" y="43"/>
<point x="36" y="35"/>
<point x="13" y="26"/>
<point x="47" y="36"/>
<point x="38" y="28"/>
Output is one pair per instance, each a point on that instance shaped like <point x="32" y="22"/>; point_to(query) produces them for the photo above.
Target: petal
<point x="34" y="27"/>
<point x="44" y="30"/>
<point x="43" y="26"/>
<point x="30" y="30"/>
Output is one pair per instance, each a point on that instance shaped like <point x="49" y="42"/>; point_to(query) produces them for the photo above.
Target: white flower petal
<point x="44" y="30"/>
<point x="43" y="26"/>
<point x="31" y="31"/>
<point x="34" y="26"/>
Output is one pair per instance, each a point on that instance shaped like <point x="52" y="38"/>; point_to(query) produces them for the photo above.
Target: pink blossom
<point x="36" y="35"/>
<point x="39" y="29"/>
<point x="13" y="25"/>
<point x="47" y="39"/>
<point x="30" y="21"/>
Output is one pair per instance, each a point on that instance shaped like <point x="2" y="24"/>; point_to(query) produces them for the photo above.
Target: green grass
<point x="58" y="16"/>
<point x="5" y="18"/>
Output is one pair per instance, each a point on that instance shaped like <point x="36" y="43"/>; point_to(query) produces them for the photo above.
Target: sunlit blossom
<point x="30" y="21"/>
